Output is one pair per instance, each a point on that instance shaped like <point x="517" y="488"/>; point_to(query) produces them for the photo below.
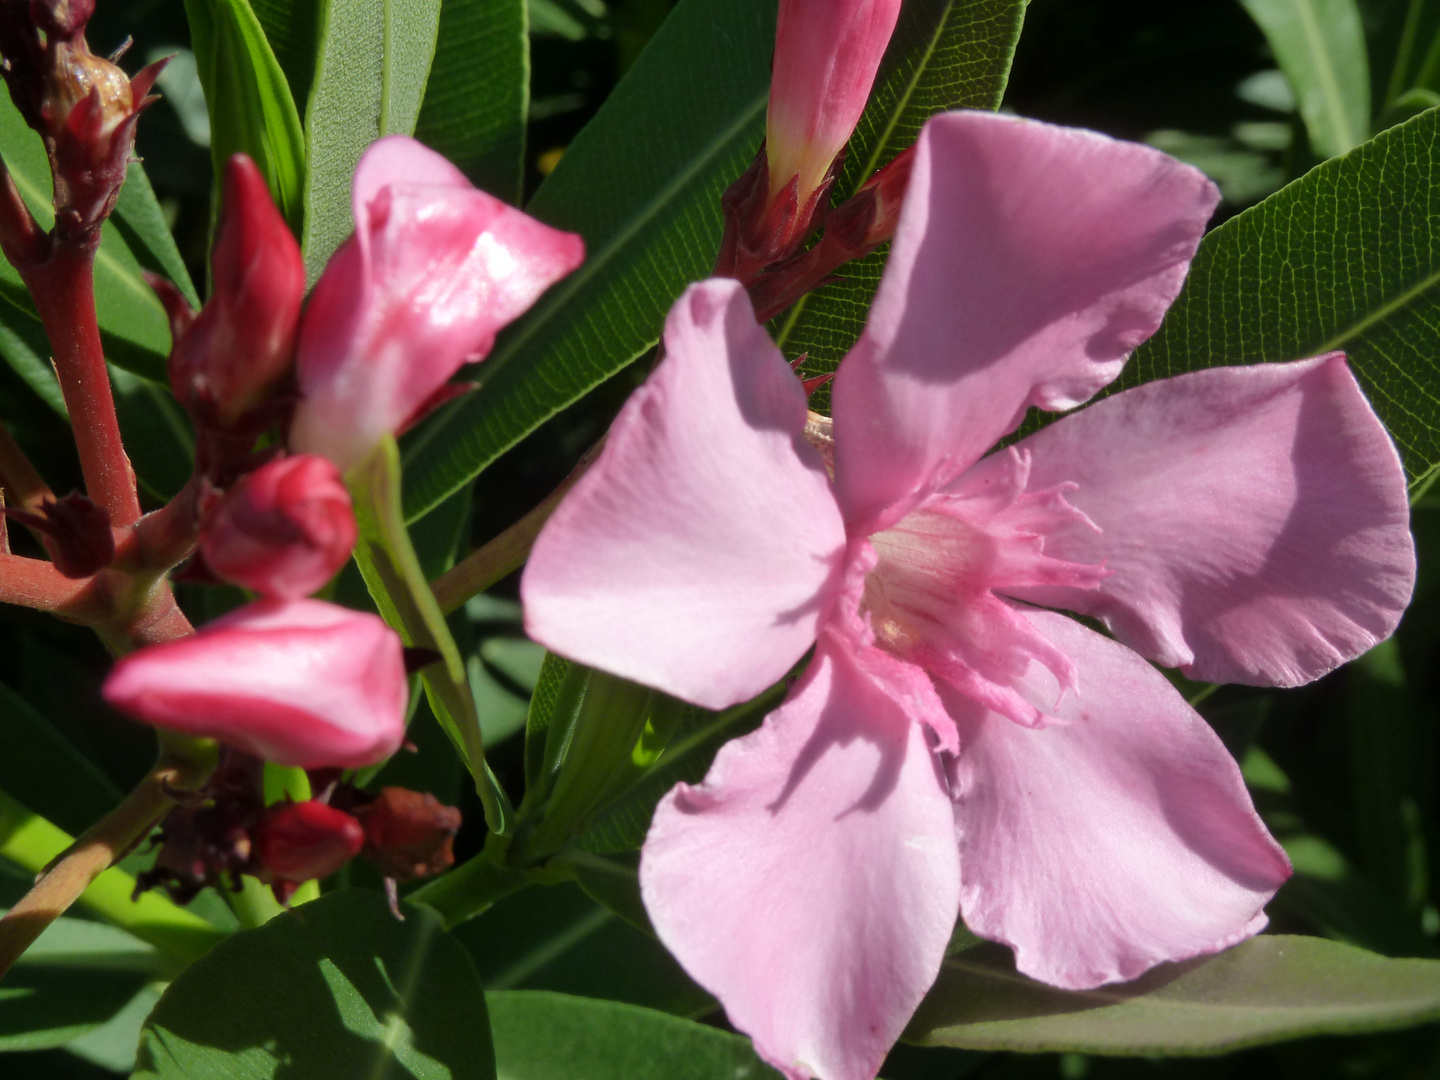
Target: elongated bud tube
<point x="298" y="682"/>
<point x="305" y="841"/>
<point x="231" y="358"/>
<point x="283" y="530"/>
<point x="826" y="56"/>
<point x="435" y="268"/>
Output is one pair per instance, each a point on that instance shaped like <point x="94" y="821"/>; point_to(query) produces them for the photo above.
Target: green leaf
<point x="393" y="575"/>
<point x="547" y="1036"/>
<point x="251" y="109"/>
<point x="945" y="54"/>
<point x="1347" y="257"/>
<point x="292" y="27"/>
<point x="479" y="89"/>
<point x="43" y="770"/>
<point x="142" y="223"/>
<point x="1264" y="990"/>
<point x="133" y="327"/>
<point x="370" y="72"/>
<point x="557" y="938"/>
<point x="26" y="349"/>
<point x="641" y="183"/>
<point x="157" y="433"/>
<point x="622" y="824"/>
<point x="1320" y="46"/>
<point x="334" y="990"/>
<point x="76" y="977"/>
<point x="545" y="703"/>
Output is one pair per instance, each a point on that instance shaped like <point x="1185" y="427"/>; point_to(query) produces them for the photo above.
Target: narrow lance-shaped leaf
<point x="642" y="185"/>
<point x="1264" y="990"/>
<point x="479" y="91"/>
<point x="1320" y="45"/>
<point x="1347" y="257"/>
<point x="251" y="110"/>
<point x="946" y="54"/>
<point x="372" y="63"/>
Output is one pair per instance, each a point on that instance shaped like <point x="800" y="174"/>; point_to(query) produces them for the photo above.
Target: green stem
<point x="472" y="887"/>
<point x="254" y="905"/>
<point x="33" y="843"/>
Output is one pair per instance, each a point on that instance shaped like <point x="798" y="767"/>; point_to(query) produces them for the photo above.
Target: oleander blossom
<point x="956" y="745"/>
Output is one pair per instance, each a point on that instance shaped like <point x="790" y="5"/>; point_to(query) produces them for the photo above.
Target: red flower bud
<point x="282" y="530"/>
<point x="238" y="349"/>
<point x="307" y="840"/>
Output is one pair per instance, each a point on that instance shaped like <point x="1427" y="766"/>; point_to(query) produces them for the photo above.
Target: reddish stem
<point x="64" y="290"/>
<point x="37" y="584"/>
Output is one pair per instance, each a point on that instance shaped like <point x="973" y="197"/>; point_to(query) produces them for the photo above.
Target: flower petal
<point x="1028" y="262"/>
<point x="299" y="682"/>
<point x="810" y="882"/>
<point x="701" y="550"/>
<point x="1101" y="847"/>
<point x="1255" y="520"/>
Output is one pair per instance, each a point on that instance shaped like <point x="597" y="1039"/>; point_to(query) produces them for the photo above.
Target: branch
<point x="18" y="477"/>
<point x="34" y="583"/>
<point x="104" y="843"/>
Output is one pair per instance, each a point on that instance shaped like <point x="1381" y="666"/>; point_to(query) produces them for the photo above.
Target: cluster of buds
<point x="826" y="58"/>
<point x="83" y="105"/>
<point x="226" y="830"/>
<point x="434" y="270"/>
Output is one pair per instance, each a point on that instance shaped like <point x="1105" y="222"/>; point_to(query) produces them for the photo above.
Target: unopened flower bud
<point x="77" y="74"/>
<point x="826" y="56"/>
<point x="305" y="841"/>
<point x="297" y="682"/>
<point x="232" y="357"/>
<point x="434" y="270"/>
<point x="282" y="530"/>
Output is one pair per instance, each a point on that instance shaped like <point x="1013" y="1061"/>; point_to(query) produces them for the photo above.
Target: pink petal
<point x="700" y="552"/>
<point x="435" y="269"/>
<point x="1255" y="520"/>
<point x="299" y="682"/>
<point x="1028" y="262"/>
<point x="1103" y="846"/>
<point x="810" y="881"/>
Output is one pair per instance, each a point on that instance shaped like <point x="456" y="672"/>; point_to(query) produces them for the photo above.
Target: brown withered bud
<point x="74" y="530"/>
<point x="409" y="834"/>
<point x="83" y="106"/>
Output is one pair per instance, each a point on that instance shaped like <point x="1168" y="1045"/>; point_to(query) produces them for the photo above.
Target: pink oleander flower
<point x="298" y="682"/>
<point x="956" y="746"/>
<point x="826" y="56"/>
<point x="234" y="354"/>
<point x="434" y="270"/>
<point x="283" y="530"/>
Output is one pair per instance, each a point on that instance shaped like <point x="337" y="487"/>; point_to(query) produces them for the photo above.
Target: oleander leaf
<point x="371" y="67"/>
<point x="1264" y="990"/>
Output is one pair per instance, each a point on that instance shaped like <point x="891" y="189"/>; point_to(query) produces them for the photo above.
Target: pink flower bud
<point x="434" y="270"/>
<point x="239" y="347"/>
<point x="305" y="841"/>
<point x="298" y="682"/>
<point x="282" y="530"/>
<point x="826" y="55"/>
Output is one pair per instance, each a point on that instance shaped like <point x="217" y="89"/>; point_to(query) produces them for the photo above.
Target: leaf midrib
<point x="1383" y="312"/>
